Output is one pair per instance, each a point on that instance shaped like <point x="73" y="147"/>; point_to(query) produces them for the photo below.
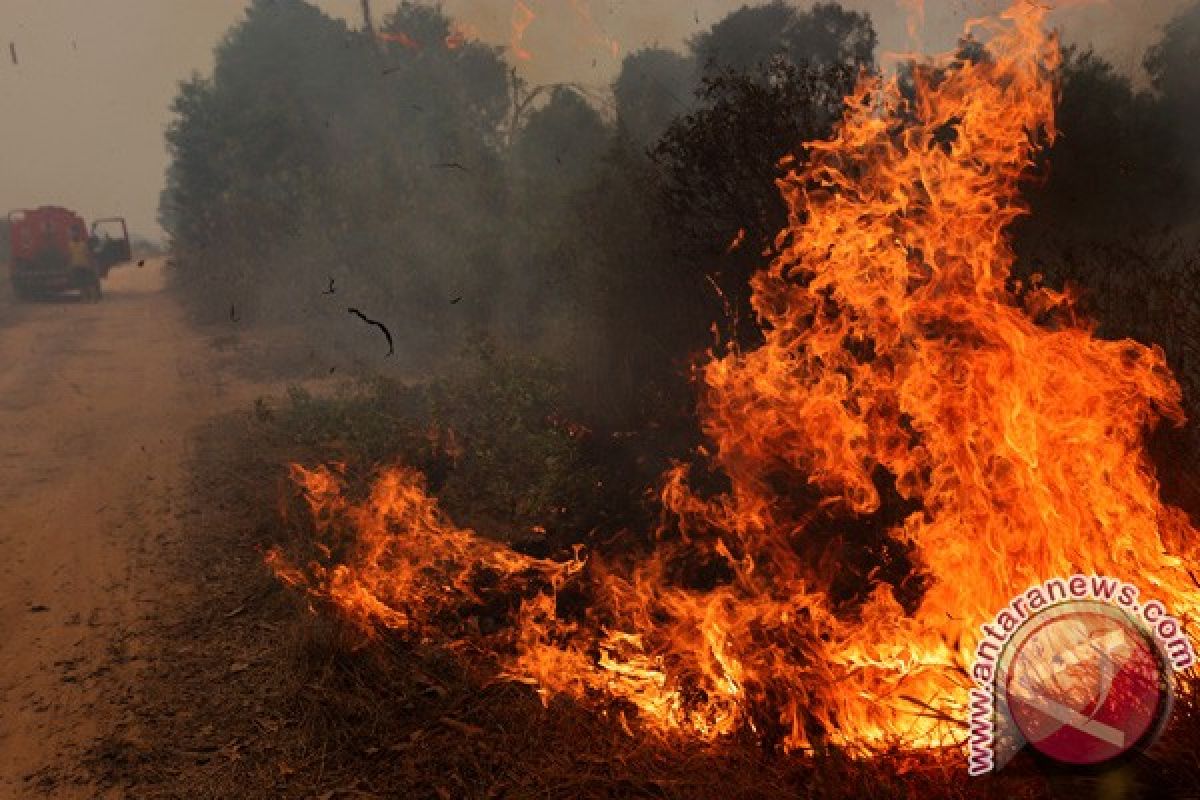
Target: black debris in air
<point x="332" y="289"/>
<point x="12" y="51"/>
<point x="233" y="316"/>
<point x="377" y="324"/>
<point x="456" y="300"/>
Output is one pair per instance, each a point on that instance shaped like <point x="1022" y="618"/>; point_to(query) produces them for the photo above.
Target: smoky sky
<point x="86" y="98"/>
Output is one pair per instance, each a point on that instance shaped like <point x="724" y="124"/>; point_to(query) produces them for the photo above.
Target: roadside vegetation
<point x="254" y="694"/>
<point x="418" y="178"/>
<point x="551" y="261"/>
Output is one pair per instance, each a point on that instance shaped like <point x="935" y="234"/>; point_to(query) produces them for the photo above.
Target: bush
<point x="496" y="441"/>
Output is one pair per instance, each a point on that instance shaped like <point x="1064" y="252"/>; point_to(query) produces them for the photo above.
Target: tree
<point x="556" y="154"/>
<point x="312" y="152"/>
<point x="1111" y="164"/>
<point x="774" y="78"/>
<point x="452" y="93"/>
<point x="653" y="87"/>
<point x="1172" y="67"/>
<point x="720" y="163"/>
<point x="750" y="38"/>
<point x="561" y="142"/>
<point x="1172" y="61"/>
<point x="647" y="309"/>
<point x="251" y="146"/>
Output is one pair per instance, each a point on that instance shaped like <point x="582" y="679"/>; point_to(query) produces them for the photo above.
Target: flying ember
<point x="918" y="438"/>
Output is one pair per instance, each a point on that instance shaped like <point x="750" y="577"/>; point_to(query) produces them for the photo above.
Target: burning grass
<point x="916" y="439"/>
<point x="252" y="695"/>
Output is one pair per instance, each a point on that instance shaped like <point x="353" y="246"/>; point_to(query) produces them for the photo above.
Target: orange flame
<point x="737" y="241"/>
<point x="404" y="563"/>
<point x="401" y="38"/>
<point x="522" y="17"/>
<point x="593" y="29"/>
<point x="907" y="406"/>
<point x="460" y="34"/>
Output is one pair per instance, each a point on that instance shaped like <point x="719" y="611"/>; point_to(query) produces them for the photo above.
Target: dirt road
<point x="96" y="406"/>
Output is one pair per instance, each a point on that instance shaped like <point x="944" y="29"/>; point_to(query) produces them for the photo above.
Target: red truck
<point x="53" y="250"/>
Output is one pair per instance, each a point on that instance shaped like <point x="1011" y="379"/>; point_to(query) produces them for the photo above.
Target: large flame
<point x="910" y="408"/>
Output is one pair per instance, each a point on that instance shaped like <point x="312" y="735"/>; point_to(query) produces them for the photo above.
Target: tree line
<point x="417" y="175"/>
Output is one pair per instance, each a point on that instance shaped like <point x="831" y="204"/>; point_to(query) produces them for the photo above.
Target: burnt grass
<point x="251" y="693"/>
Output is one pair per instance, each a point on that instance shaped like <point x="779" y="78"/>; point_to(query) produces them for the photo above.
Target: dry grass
<point x="253" y="695"/>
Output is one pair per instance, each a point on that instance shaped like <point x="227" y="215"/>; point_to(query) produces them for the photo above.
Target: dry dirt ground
<point x="98" y="409"/>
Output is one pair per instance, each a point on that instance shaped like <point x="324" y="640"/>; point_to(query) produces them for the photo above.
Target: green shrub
<point x="494" y="438"/>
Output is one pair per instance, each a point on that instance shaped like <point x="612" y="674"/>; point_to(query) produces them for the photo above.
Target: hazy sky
<point x="84" y="106"/>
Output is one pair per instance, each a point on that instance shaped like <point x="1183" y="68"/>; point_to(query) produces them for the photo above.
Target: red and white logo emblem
<point x="1083" y="684"/>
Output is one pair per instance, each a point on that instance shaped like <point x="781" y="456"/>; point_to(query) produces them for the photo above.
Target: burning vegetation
<point x="914" y="437"/>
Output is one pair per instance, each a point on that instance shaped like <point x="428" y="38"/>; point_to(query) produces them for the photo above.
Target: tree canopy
<point x="419" y="172"/>
<point x="749" y="38"/>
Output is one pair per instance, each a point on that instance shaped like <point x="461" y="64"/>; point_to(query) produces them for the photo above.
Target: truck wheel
<point x="89" y="288"/>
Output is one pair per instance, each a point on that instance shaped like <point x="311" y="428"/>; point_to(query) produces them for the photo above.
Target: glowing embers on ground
<point x="906" y="402"/>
